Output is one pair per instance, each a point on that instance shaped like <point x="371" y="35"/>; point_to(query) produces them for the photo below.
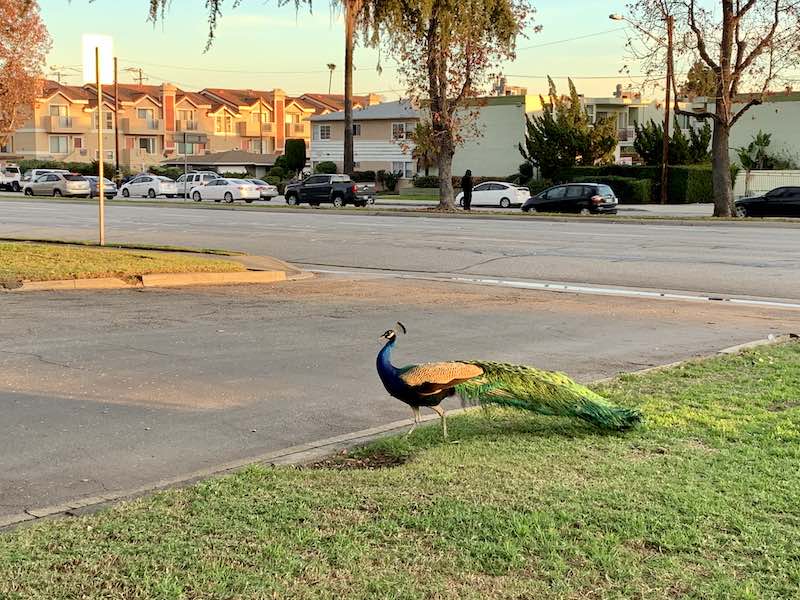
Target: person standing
<point x="466" y="188"/>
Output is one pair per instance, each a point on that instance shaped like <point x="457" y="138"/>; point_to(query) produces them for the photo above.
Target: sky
<point x="262" y="46"/>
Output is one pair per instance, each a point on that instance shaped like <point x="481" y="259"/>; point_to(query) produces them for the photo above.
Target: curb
<point x="306" y="453"/>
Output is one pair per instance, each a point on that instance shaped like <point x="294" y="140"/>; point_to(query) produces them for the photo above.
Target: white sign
<point x="105" y="45"/>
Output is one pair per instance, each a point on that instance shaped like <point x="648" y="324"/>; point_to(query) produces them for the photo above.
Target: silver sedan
<point x="58" y="184"/>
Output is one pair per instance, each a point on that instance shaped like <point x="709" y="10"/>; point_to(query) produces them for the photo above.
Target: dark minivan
<point x="780" y="202"/>
<point x="578" y="198"/>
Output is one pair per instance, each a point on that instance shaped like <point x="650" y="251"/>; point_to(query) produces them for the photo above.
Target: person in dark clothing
<point x="466" y="187"/>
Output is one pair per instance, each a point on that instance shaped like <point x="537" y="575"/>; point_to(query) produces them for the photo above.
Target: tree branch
<point x="701" y="42"/>
<point x="751" y="103"/>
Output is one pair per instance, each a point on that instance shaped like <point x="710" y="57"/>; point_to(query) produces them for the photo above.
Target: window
<point x="147" y="144"/>
<point x="186" y="115"/>
<point x="406" y="169"/>
<point x="556" y="193"/>
<point x="8" y="147"/>
<point x="575" y="191"/>
<point x="323" y="132"/>
<point x="255" y="147"/>
<point x="185" y="148"/>
<point x="59" y="110"/>
<point x="108" y="119"/>
<point x="399" y="131"/>
<point x="145" y="113"/>
<point x="316" y="179"/>
<point x="77" y="143"/>
<point x="59" y="144"/>
<point x="356" y="129"/>
<point x="484" y="187"/>
<point x="223" y="124"/>
<point x="264" y="116"/>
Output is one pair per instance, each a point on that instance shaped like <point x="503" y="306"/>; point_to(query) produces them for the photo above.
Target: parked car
<point x="110" y="188"/>
<point x="339" y="190"/>
<point x="10" y="177"/>
<point x="58" y="184"/>
<point x="226" y="189"/>
<point x="496" y="193"/>
<point x="579" y="198"/>
<point x="366" y="191"/>
<point x="267" y="190"/>
<point x="32" y="175"/>
<point x="187" y="181"/>
<point x="149" y="186"/>
<point x="780" y="202"/>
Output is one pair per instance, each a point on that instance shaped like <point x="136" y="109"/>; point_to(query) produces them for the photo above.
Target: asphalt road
<point x="108" y="391"/>
<point x="754" y="260"/>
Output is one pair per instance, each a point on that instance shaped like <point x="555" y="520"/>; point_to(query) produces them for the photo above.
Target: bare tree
<point x="24" y="43"/>
<point x="750" y="45"/>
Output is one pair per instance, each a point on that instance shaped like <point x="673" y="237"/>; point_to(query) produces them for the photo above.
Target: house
<point x="229" y="161"/>
<point x="381" y="137"/>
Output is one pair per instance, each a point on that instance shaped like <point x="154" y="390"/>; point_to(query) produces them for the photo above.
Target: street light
<point x="667" y="102"/>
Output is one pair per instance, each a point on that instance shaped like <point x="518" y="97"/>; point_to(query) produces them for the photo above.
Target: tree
<point x="295" y="155"/>
<point x="700" y="81"/>
<point x="757" y="157"/>
<point x="748" y="44"/>
<point x="649" y="144"/>
<point x="563" y="135"/>
<point x="24" y="43"/>
<point x="425" y="151"/>
<point x="446" y="51"/>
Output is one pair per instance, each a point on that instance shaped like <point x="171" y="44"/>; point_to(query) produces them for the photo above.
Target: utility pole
<point x="100" y="182"/>
<point x="140" y="77"/>
<point x="260" y="126"/>
<point x="667" y="107"/>
<point x="116" y="122"/>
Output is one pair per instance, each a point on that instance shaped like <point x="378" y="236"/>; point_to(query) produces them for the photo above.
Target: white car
<point x="227" y="190"/>
<point x="149" y="186"/>
<point x="187" y="181"/>
<point x="497" y="193"/>
<point x="268" y="191"/>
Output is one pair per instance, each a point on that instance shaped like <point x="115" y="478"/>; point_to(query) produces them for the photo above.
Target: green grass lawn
<point x="702" y="502"/>
<point x="20" y="261"/>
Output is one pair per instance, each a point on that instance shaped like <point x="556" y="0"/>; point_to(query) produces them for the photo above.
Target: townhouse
<point x="62" y="124"/>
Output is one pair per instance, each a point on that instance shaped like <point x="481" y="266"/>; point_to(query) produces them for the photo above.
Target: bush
<point x="278" y="172"/>
<point x="627" y="189"/>
<point x="277" y="182"/>
<point x="294" y="155"/>
<point x="326" y="167"/>
<point x="539" y="185"/>
<point x="687" y="184"/>
<point x="526" y="171"/>
<point x="363" y="176"/>
<point x="690" y="184"/>
<point x="426" y="181"/>
<point x="389" y="179"/>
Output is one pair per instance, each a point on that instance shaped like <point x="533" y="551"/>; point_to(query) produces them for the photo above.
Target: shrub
<point x="277" y="182"/>
<point x="539" y="185"/>
<point x="526" y="171"/>
<point x="426" y="181"/>
<point x="294" y="155"/>
<point x="327" y="167"/>
<point x="690" y="184"/>
<point x="390" y="180"/>
<point x="363" y="176"/>
<point x="627" y="189"/>
<point x="277" y="172"/>
<point x="687" y="184"/>
<point x="282" y="162"/>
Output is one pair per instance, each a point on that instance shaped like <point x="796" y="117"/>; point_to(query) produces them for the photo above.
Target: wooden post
<point x="100" y="174"/>
<point x="667" y="108"/>
<point x="116" y="123"/>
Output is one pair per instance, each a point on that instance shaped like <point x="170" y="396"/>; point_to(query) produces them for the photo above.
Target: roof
<point x="51" y="88"/>
<point x="223" y="159"/>
<point x="400" y="109"/>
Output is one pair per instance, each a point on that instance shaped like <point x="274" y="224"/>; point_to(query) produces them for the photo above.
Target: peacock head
<point x="391" y="334"/>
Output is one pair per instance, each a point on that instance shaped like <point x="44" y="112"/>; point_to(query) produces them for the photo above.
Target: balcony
<point x="250" y="129"/>
<point x="298" y="130"/>
<point x="64" y="124"/>
<point x="181" y="125"/>
<point x="140" y="126"/>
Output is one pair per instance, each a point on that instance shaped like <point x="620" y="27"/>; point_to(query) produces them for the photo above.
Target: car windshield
<point x="161" y="178"/>
<point x="74" y="178"/>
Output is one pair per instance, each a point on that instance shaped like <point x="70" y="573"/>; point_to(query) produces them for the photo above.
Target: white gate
<point x="756" y="183"/>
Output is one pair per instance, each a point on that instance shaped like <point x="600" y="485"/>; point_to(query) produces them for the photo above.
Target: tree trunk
<point x="721" y="170"/>
<point x="351" y="10"/>
<point x="445" y="161"/>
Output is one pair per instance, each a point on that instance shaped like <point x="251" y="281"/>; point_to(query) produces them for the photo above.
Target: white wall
<point x="780" y="119"/>
<point x="756" y="183"/>
<point x="363" y="151"/>
<point x="495" y="152"/>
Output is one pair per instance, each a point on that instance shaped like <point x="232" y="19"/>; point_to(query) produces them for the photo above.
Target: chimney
<point x="374" y="99"/>
<point x="168" y="110"/>
<point x="279" y="107"/>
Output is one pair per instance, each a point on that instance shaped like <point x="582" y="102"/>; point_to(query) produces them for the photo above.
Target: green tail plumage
<point x="543" y="392"/>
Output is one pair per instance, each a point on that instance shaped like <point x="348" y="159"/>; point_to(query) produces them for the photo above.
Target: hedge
<point x="364" y="176"/>
<point x="627" y="190"/>
<point x="432" y="181"/>
<point x="687" y="184"/>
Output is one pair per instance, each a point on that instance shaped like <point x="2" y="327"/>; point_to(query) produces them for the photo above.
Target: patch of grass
<point x="21" y="261"/>
<point x="125" y="246"/>
<point x="700" y="502"/>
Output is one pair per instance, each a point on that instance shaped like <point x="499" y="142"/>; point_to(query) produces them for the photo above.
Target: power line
<point x="238" y="72"/>
<point x="573" y="39"/>
<point x="619" y="76"/>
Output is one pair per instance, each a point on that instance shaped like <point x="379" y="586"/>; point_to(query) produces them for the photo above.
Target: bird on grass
<point x="501" y="384"/>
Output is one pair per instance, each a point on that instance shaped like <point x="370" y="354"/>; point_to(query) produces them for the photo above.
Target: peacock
<point x="502" y="384"/>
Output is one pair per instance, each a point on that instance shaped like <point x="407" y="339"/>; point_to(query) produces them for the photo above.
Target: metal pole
<point x="185" y="167"/>
<point x="100" y="183"/>
<point x="116" y="123"/>
<point x="667" y="107"/>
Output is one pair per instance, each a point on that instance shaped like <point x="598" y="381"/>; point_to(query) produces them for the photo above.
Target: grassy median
<point x="20" y="261"/>
<point x="701" y="502"/>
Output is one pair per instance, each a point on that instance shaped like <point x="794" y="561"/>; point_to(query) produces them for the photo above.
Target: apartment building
<point x="62" y="125"/>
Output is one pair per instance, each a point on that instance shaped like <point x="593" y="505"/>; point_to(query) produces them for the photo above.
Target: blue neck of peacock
<point x="385" y="366"/>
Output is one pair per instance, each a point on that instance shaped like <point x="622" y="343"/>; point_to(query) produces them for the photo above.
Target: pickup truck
<point x="338" y="190"/>
<point x="10" y="177"/>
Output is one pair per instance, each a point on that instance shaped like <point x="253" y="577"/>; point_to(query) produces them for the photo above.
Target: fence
<point x="756" y="183"/>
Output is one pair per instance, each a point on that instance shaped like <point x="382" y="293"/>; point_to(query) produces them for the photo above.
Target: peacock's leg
<point x="416" y="420"/>
<point x="440" y="411"/>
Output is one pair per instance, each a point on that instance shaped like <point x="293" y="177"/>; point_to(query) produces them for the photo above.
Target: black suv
<point x="579" y="198"/>
<point x="339" y="190"/>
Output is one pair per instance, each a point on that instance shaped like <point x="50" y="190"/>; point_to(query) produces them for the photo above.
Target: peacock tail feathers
<point x="542" y="392"/>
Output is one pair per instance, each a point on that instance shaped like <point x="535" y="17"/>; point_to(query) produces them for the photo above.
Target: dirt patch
<point x="345" y="462"/>
<point x="784" y="406"/>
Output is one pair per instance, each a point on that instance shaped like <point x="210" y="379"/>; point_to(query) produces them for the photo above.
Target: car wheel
<point x="56" y="192"/>
<point x="585" y="211"/>
<point x="228" y="197"/>
<point x="461" y="203"/>
<point x="741" y="212"/>
<point x="530" y="209"/>
<point x="249" y="200"/>
<point x="338" y="202"/>
<point x="505" y="203"/>
<point x="151" y="193"/>
<point x="197" y="197"/>
<point x="126" y="193"/>
<point x="15" y="187"/>
<point x="28" y="192"/>
<point x="291" y="200"/>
